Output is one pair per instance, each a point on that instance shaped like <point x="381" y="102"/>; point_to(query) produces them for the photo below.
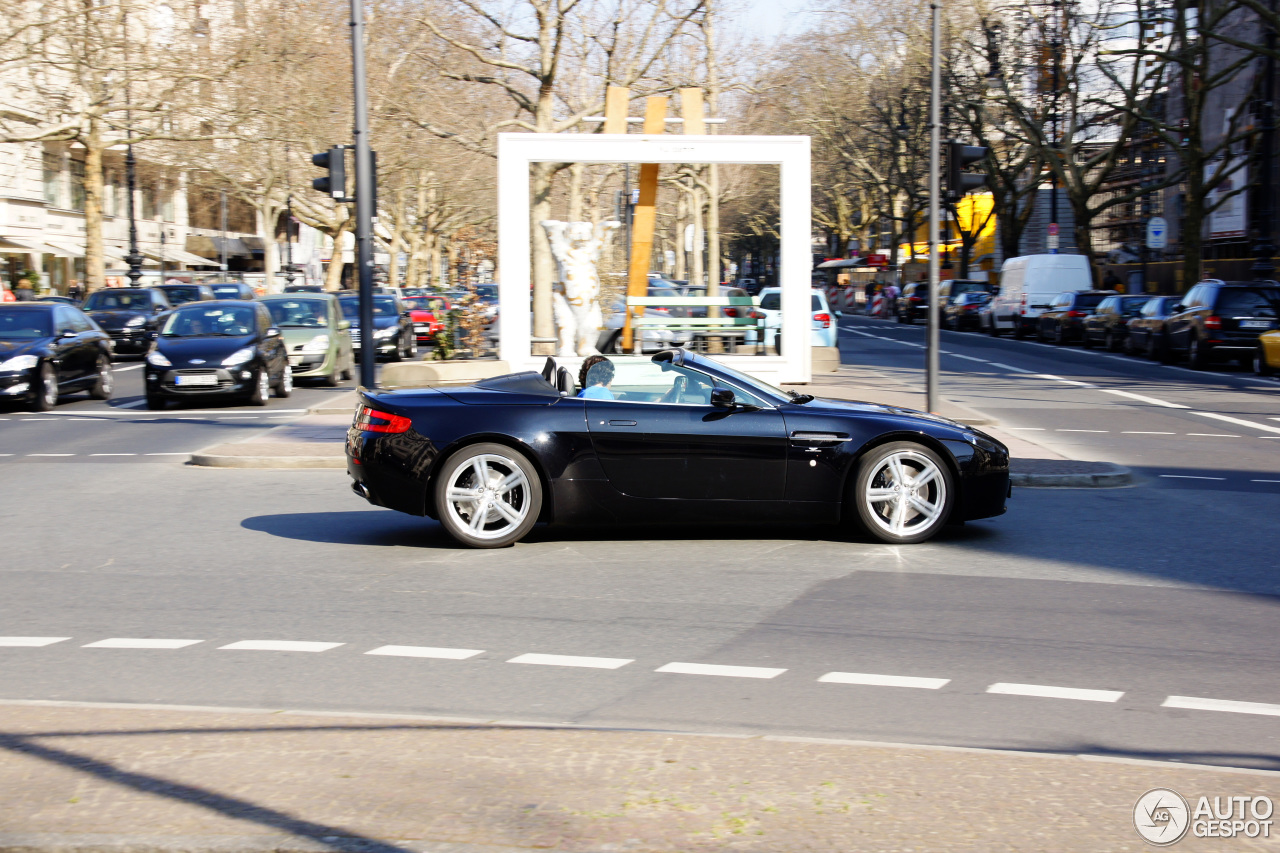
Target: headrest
<point x="564" y="382"/>
<point x="549" y="371"/>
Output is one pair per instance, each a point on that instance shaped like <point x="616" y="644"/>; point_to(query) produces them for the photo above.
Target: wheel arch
<point x="546" y="513"/>
<point x="921" y="438"/>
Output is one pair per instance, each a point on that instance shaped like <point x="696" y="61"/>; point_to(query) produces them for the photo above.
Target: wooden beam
<point x="691" y="111"/>
<point x="655" y="120"/>
<point x="617" y="100"/>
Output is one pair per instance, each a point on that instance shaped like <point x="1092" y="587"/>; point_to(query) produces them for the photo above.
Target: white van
<point x="1028" y="286"/>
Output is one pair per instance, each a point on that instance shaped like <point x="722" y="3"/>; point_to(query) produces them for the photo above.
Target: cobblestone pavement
<point x="114" y="778"/>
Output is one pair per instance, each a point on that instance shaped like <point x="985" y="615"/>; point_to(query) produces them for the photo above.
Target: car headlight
<point x="157" y="359"/>
<point x="382" y="334"/>
<point x="136" y="321"/>
<point x="238" y="357"/>
<point x="320" y="343"/>
<point x="19" y="362"/>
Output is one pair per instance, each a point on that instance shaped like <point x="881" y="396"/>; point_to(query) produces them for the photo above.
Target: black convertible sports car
<point x="680" y="433"/>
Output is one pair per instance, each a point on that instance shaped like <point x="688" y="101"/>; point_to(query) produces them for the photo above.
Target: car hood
<point x="297" y="336"/>
<point x="115" y="318"/>
<point x="9" y="349"/>
<point x="422" y="316"/>
<point x="208" y="350"/>
<point x="825" y="405"/>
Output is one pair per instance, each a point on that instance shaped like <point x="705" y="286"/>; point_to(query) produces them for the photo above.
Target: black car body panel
<point x="181" y="294"/>
<point x="1223" y="319"/>
<point x="1109" y="322"/>
<point x="620" y="461"/>
<point x="232" y="290"/>
<point x="50" y="333"/>
<point x="196" y="365"/>
<point x="128" y="315"/>
<point x="1064" y="321"/>
<point x="1146" y="331"/>
<point x="389" y="314"/>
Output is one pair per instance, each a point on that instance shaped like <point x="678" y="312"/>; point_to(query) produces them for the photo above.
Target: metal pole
<point x="288" y="240"/>
<point x="1263" y="266"/>
<point x="222" y="221"/>
<point x="935" y="142"/>
<point x="1053" y="147"/>
<point x="134" y="258"/>
<point x="364" y="200"/>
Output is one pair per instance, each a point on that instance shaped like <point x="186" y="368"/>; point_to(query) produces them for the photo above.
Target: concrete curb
<point x="214" y="460"/>
<point x="1116" y="478"/>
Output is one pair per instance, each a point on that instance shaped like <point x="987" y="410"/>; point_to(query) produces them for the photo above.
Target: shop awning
<point x="177" y="256"/>
<point x="11" y="245"/>
<point x="211" y="247"/>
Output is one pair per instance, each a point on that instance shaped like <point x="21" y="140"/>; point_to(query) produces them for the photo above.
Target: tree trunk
<point x="543" y="266"/>
<point x="682" y="219"/>
<point x="696" y="207"/>
<point x="575" y="192"/>
<point x="393" y="265"/>
<point x="333" y="274"/>
<point x="94" y="263"/>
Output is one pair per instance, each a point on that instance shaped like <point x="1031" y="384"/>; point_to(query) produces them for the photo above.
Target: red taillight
<point x="824" y="319"/>
<point x="372" y="420"/>
<point x="915" y="298"/>
<point x="731" y="312"/>
<point x="1077" y="313"/>
<point x="1213" y="323"/>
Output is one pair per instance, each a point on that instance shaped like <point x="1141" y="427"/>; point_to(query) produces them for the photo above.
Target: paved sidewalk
<point x="119" y="779"/>
<point x="316" y="440"/>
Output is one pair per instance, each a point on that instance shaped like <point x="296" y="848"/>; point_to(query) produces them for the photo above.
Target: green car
<point x="316" y="336"/>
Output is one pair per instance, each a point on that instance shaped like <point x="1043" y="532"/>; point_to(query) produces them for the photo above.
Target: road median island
<point x="147" y="780"/>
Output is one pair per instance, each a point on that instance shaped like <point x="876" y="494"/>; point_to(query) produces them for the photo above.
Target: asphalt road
<point x="1138" y="621"/>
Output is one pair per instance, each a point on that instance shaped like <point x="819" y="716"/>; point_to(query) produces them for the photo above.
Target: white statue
<point x="576" y="247"/>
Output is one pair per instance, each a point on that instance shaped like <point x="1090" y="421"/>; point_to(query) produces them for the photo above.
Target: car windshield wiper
<point x="800" y="398"/>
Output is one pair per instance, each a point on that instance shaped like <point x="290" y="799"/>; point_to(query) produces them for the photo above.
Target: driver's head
<point x="596" y="370"/>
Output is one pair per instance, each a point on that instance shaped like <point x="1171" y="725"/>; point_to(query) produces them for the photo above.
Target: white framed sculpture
<point x="576" y="248"/>
<point x="790" y="153"/>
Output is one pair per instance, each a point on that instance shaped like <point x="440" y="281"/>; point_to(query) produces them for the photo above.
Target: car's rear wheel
<point x="285" y="386"/>
<point x="903" y="493"/>
<point x="488" y="496"/>
<point x="261" y="387"/>
<point x="1086" y="341"/>
<point x="44" y="396"/>
<point x="101" y="388"/>
<point x="993" y="329"/>
<point x="1197" y="355"/>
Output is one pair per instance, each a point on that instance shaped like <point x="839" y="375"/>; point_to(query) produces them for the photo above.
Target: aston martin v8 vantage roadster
<point x="676" y="437"/>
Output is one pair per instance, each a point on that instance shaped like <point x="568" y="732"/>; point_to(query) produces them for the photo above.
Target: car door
<point x="1181" y="324"/>
<point x="71" y="345"/>
<point x="661" y="438"/>
<point x="273" y="345"/>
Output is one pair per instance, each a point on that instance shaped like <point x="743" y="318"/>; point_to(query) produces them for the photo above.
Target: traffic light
<point x="334" y="186"/>
<point x="959" y="182"/>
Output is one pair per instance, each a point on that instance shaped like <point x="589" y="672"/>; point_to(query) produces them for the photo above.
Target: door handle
<point x="622" y="423"/>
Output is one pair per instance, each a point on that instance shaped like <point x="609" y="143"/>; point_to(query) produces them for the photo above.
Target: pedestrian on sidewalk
<point x="869" y="291"/>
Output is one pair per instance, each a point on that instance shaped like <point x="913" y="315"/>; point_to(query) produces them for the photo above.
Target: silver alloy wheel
<point x="49" y="385"/>
<point x="105" y="378"/>
<point x="488" y="496"/>
<point x="264" y="383"/>
<point x="286" y="382"/>
<point x="907" y="493"/>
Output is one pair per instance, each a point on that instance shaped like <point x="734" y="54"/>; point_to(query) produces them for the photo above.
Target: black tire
<point x="101" y="388"/>
<point x="1197" y="355"/>
<point x="1040" y="335"/>
<point x="458" y="473"/>
<point x="44" y="393"/>
<point x="1019" y="331"/>
<point x="261" y="387"/>
<point x="879" y="518"/>
<point x="285" y="386"/>
<point x="1060" y="336"/>
<point x="994" y="330"/>
<point x="899" y="316"/>
<point x="156" y="403"/>
<point x="1160" y="349"/>
<point x="330" y="379"/>
<point x="1260" y="365"/>
<point x="1112" y="344"/>
<point x="907" y="318"/>
<point x="1085" y="340"/>
<point x="398" y="355"/>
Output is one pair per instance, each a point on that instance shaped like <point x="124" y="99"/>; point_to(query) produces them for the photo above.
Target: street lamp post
<point x="1264" y="248"/>
<point x="134" y="258"/>
<point x="288" y="241"/>
<point x="935" y="142"/>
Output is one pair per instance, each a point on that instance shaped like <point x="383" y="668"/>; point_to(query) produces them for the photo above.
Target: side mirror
<point x="67" y="333"/>
<point x="722" y="398"/>
<point x="273" y="332"/>
<point x="1177" y="308"/>
<point x="343" y="325"/>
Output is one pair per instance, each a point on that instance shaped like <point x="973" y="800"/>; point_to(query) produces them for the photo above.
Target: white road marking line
<point x="134" y="405"/>
<point x="1188" y="477"/>
<point x="113" y="454"/>
<point x="31" y="420"/>
<point x="133" y="643"/>
<point x="280" y="646"/>
<point x="1031" y="429"/>
<point x="572" y="660"/>
<point x="715" y="669"/>
<point x="1193" y="703"/>
<point x="1046" y="691"/>
<point x="1082" y="430"/>
<point x="1237" y="421"/>
<point x="1011" y="367"/>
<point x="51" y="454"/>
<point x="115" y="369"/>
<point x="31" y="641"/>
<point x="884" y="680"/>
<point x="6" y="454"/>
<point x="968" y="358"/>
<point x="175" y="453"/>
<point x="425" y="652"/>
<point x="1152" y="400"/>
<point x="238" y="418"/>
<point x="1145" y="432"/>
<point x="1212" y="435"/>
<point x="1264" y="481"/>
<point x="1053" y="378"/>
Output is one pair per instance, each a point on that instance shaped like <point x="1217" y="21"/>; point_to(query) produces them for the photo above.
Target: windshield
<point x="762" y="389"/>
<point x="211" y="321"/>
<point x="1132" y="304"/>
<point x="114" y="300"/>
<point x="179" y="295"/>
<point x="382" y="307"/>
<point x="225" y="291"/>
<point x="1248" y="303"/>
<point x="298" y="313"/>
<point x="425" y="303"/>
<point x="487" y="291"/>
<point x="1089" y="300"/>
<point x="24" y="324"/>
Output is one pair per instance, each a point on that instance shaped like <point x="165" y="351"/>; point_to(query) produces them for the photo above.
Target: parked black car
<point x="48" y="349"/>
<point x="1221" y="320"/>
<point x="128" y="315"/>
<point x="1109" y="323"/>
<point x="232" y="290"/>
<point x="1146" y="333"/>
<point x="1064" y="321"/>
<point x="681" y="437"/>
<point x="913" y="303"/>
<point x="181" y="294"/>
<point x="393" y="332"/>
<point x="224" y="348"/>
<point x="961" y="311"/>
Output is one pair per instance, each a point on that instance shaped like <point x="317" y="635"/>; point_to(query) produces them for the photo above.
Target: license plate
<point x="295" y="360"/>
<point x="1255" y="324"/>
<point x="204" y="379"/>
<point x="421" y="327"/>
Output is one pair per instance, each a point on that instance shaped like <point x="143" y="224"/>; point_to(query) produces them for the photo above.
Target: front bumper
<point x="308" y="365"/>
<point x="130" y="339"/>
<point x="179" y="382"/>
<point x="18" y="385"/>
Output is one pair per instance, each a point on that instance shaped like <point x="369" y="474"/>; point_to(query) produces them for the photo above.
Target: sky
<point x="768" y="20"/>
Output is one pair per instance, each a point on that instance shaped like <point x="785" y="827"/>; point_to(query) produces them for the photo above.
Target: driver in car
<point x="595" y="378"/>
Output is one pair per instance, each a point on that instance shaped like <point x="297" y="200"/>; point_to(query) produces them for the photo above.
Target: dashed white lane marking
<point x="969" y="358"/>
<point x="138" y="643"/>
<point x="572" y="660"/>
<point x="1011" y="367"/>
<point x="33" y="420"/>
<point x="1046" y="691"/>
<point x="1081" y="430"/>
<point x="1212" y="435"/>
<point x="1189" y="477"/>
<point x="425" y="652"/>
<point x="279" y="646"/>
<point x="115" y="369"/>
<point x="716" y="669"/>
<point x="1237" y="421"/>
<point x="1145" y="432"/>
<point x="31" y="641"/>
<point x="50" y="454"/>
<point x="113" y="454"/>
<point x="884" y="680"/>
<point x="1194" y="703"/>
<point x="1053" y="378"/>
<point x="173" y="453"/>
<point x="238" y="418"/>
<point x="1264" y="481"/>
<point x="1144" y="399"/>
<point x="1027" y="429"/>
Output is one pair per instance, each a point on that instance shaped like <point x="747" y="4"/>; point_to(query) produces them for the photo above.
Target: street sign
<point x="1157" y="233"/>
<point x="1052" y="243"/>
<point x="1053" y="229"/>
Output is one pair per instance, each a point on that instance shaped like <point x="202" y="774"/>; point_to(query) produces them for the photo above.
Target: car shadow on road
<point x="358" y="527"/>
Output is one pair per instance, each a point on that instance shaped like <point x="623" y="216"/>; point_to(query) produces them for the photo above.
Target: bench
<point x="703" y="328"/>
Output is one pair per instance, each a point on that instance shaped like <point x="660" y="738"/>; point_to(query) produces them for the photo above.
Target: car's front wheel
<point x="102" y="385"/>
<point x="903" y="493"/>
<point x="488" y="496"/>
<point x="44" y="394"/>
<point x="1197" y="355"/>
<point x="285" y="386"/>
<point x="261" y="387"/>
